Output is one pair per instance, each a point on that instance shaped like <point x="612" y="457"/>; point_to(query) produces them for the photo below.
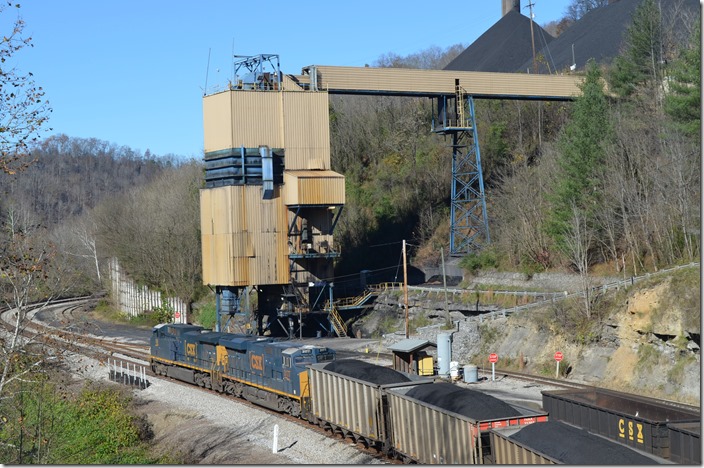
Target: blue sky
<point x="132" y="72"/>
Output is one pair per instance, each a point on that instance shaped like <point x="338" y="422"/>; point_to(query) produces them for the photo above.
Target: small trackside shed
<point x="410" y="356"/>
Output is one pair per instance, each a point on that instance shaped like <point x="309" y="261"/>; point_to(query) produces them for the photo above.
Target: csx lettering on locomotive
<point x="257" y="362"/>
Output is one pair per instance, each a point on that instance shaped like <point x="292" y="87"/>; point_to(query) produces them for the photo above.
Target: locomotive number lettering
<point x="190" y="349"/>
<point x="634" y="431"/>
<point x="257" y="362"/>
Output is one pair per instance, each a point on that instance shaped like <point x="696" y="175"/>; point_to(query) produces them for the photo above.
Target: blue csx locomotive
<point x="267" y="372"/>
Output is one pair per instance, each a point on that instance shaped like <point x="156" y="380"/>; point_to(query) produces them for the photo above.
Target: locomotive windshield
<point x="311" y="355"/>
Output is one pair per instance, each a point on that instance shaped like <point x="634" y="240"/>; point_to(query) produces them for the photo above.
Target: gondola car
<point x="267" y="372"/>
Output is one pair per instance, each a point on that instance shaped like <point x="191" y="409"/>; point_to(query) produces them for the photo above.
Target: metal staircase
<point x="337" y="323"/>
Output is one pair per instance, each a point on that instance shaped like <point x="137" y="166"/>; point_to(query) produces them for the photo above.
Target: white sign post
<point x="275" y="447"/>
<point x="493" y="359"/>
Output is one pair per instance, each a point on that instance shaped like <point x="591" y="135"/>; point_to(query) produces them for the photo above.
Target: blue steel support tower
<point x="469" y="225"/>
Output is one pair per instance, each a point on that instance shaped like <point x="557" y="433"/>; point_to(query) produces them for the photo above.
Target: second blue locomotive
<point x="264" y="371"/>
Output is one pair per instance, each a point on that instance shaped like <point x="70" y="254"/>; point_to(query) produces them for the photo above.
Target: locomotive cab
<point x="165" y="341"/>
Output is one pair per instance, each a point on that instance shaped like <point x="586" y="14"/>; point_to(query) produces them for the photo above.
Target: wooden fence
<point x="134" y="299"/>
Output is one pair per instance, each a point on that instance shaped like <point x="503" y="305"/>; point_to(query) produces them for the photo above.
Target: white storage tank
<point x="444" y="354"/>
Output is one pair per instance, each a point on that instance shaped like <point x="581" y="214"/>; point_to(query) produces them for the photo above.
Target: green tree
<point x="684" y="101"/>
<point x="582" y="156"/>
<point x="641" y="62"/>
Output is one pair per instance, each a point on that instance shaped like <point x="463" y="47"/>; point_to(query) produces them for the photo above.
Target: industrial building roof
<point x="600" y="34"/>
<point x="504" y="47"/>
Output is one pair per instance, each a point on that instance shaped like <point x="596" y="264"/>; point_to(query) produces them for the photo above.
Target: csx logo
<point x="256" y="362"/>
<point x="190" y="349"/>
<point x="630" y="430"/>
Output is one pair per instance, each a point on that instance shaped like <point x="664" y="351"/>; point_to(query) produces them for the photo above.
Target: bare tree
<point x="25" y="278"/>
<point x="23" y="110"/>
<point x="578" y="244"/>
<point x="155" y="232"/>
<point x="578" y="8"/>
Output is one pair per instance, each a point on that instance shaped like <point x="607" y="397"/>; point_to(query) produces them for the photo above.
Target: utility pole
<point x="405" y="285"/>
<point x="444" y="284"/>
<point x="532" y="38"/>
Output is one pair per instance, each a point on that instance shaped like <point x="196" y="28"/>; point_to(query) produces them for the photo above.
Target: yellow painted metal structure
<point x="255" y="236"/>
<point x="247" y="240"/>
<point x="415" y="82"/>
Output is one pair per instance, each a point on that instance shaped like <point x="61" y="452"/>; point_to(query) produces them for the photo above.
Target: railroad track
<point x="70" y="338"/>
<point x="537" y="379"/>
<point x="75" y="339"/>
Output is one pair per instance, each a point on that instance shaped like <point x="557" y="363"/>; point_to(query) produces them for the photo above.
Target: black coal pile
<point x="476" y="405"/>
<point x="367" y="372"/>
<point x="574" y="446"/>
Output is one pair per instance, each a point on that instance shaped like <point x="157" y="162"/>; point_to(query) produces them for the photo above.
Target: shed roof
<point x="410" y="345"/>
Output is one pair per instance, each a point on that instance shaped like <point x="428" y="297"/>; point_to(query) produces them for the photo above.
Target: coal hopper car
<point x="348" y="397"/>
<point x="450" y="423"/>
<point x="640" y="422"/>
<point x="555" y="442"/>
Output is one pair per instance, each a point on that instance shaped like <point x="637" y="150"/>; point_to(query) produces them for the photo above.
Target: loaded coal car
<point x="267" y="372"/>
<point x="632" y="420"/>
<point x="450" y="423"/>
<point x="348" y="398"/>
<point x="685" y="443"/>
<point x="555" y="442"/>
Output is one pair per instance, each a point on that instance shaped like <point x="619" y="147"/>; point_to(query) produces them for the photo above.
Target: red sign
<point x="558" y="356"/>
<point x="493" y="357"/>
<point x="177" y="315"/>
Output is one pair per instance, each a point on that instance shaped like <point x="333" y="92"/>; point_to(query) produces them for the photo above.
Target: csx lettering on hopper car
<point x="264" y="371"/>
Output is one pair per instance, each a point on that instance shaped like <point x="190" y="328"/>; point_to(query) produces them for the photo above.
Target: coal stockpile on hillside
<point x="476" y="405"/>
<point x="367" y="372"/>
<point x="574" y="446"/>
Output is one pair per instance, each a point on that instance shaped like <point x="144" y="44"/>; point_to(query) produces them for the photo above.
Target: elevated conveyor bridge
<point x="453" y="115"/>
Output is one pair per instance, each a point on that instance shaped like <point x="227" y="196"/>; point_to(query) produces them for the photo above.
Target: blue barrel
<point x="471" y="373"/>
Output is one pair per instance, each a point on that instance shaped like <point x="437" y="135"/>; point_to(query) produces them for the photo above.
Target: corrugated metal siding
<point x="450" y="441"/>
<point x="244" y="238"/>
<point x="508" y="452"/>
<point x="314" y="188"/>
<point x="298" y="122"/>
<point x="288" y="84"/>
<point x="217" y="121"/>
<point x="346" y="402"/>
<point x="242" y="118"/>
<point x="256" y="119"/>
<point x="306" y="130"/>
<point x="430" y="82"/>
